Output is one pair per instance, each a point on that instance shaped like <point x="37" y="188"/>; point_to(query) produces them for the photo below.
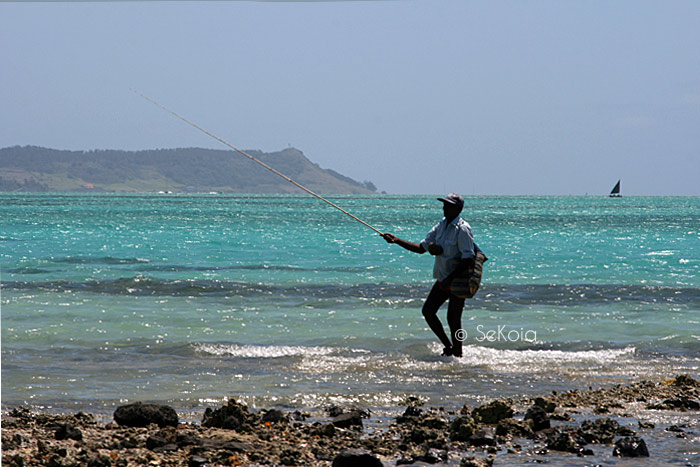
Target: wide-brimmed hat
<point x="453" y="198"/>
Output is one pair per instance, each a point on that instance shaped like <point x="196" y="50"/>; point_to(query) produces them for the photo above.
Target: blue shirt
<point x="457" y="242"/>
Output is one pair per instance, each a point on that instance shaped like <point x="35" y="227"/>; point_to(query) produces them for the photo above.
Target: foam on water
<point x="260" y="351"/>
<point x="537" y="360"/>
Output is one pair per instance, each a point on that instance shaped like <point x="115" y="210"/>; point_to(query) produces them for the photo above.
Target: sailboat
<point x="615" y="193"/>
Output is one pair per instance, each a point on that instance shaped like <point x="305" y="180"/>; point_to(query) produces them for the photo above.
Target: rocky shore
<point x="569" y="423"/>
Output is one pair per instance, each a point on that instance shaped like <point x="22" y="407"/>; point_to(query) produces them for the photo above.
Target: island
<point x="196" y="170"/>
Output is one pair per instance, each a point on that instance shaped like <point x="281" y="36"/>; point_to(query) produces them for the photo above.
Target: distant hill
<point x="32" y="168"/>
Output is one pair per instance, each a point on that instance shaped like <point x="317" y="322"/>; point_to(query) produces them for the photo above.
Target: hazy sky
<point x="431" y="96"/>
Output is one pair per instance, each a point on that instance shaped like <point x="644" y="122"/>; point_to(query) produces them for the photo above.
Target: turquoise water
<point x="284" y="301"/>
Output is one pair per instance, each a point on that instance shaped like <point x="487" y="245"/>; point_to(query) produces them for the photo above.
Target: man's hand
<point x="434" y="249"/>
<point x="410" y="246"/>
<point x="390" y="238"/>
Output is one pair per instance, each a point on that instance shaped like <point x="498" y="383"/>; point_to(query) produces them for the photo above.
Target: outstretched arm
<point x="410" y="246"/>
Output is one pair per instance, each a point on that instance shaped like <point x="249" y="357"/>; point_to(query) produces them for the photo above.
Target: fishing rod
<point x="276" y="172"/>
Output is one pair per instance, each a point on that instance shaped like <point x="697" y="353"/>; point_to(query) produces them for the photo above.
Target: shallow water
<point x="283" y="301"/>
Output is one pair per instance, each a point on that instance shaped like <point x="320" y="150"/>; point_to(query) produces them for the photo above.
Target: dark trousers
<point x="436" y="298"/>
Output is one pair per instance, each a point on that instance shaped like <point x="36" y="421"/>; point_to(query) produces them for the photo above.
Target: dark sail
<point x="616" y="190"/>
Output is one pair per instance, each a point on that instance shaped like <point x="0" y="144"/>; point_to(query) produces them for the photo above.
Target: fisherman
<point x="452" y="243"/>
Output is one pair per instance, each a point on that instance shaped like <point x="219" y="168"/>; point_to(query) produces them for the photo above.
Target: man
<point x="452" y="243"/>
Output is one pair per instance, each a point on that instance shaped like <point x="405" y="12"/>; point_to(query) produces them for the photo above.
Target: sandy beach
<point x="559" y="428"/>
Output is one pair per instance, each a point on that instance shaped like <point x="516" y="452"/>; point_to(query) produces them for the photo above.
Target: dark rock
<point x="11" y="443"/>
<point x="630" y="446"/>
<point x="438" y="443"/>
<point x="356" y="458"/>
<point x="155" y="442"/>
<point x="492" y="412"/>
<point x="419" y="435"/>
<point x="483" y="437"/>
<point x="347" y="420"/>
<point x="237" y="446"/>
<point x="538" y="417"/>
<point x="170" y="447"/>
<point x="326" y="430"/>
<point x="685" y="381"/>
<point x="299" y="416"/>
<point x="42" y="448"/>
<point x="432" y="456"/>
<point x="412" y="400"/>
<point x="290" y="457"/>
<point x="546" y="404"/>
<point x="514" y="428"/>
<point x="164" y="437"/>
<point x="234" y="446"/>
<point x="562" y="441"/>
<point x="186" y="439"/>
<point x="600" y="431"/>
<point x="681" y="403"/>
<point x="274" y="416"/>
<point x="13" y="461"/>
<point x="141" y="415"/>
<point x="69" y="432"/>
<point x="232" y="416"/>
<point x="83" y="418"/>
<point x="410" y="414"/>
<point x="624" y="431"/>
<point x="675" y="429"/>
<point x="462" y="428"/>
<point x="334" y="411"/>
<point x="21" y="413"/>
<point x="433" y="421"/>
<point x="130" y="442"/>
<point x="643" y="424"/>
<point x="100" y="461"/>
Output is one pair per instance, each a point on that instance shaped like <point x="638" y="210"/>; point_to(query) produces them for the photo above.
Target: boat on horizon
<point x="615" y="193"/>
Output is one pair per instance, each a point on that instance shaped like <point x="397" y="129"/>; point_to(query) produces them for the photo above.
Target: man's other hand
<point x="434" y="249"/>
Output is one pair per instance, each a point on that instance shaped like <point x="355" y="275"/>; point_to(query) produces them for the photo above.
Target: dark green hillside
<point x="31" y="168"/>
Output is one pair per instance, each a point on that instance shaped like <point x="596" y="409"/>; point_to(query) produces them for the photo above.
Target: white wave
<point x="262" y="351"/>
<point x="660" y="253"/>
<point x="508" y="360"/>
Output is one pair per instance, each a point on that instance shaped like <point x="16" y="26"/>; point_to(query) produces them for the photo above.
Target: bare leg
<point x="454" y="319"/>
<point x="435" y="299"/>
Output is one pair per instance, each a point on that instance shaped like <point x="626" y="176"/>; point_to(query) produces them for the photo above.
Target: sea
<point x="283" y="301"/>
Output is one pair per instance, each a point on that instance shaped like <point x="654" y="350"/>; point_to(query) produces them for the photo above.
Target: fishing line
<point x="276" y="172"/>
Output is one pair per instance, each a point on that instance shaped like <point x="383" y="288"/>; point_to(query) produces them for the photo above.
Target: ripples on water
<point x="278" y="301"/>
